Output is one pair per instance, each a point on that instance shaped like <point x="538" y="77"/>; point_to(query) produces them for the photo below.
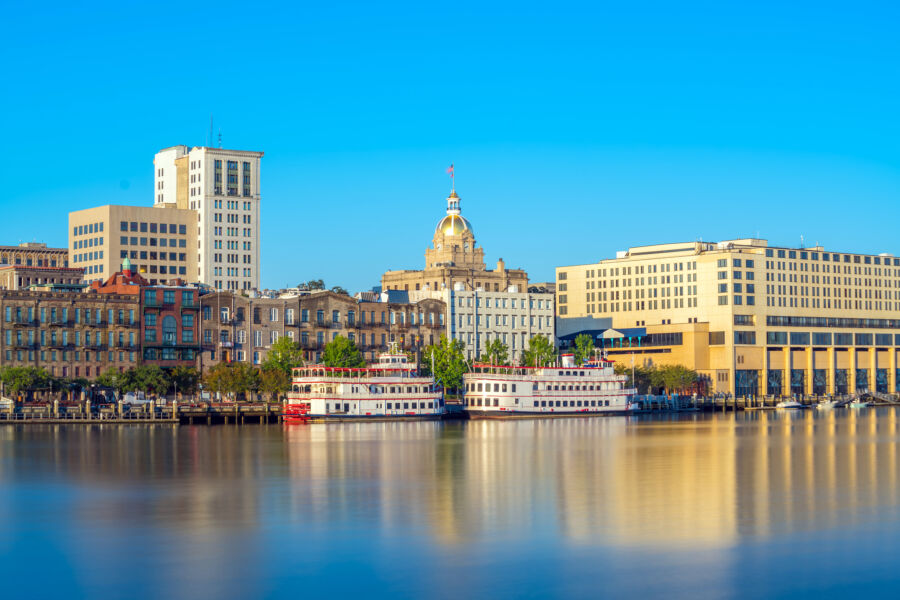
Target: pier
<point x="203" y="413"/>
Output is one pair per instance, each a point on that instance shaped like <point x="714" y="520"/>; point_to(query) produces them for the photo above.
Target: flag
<point x="450" y="170"/>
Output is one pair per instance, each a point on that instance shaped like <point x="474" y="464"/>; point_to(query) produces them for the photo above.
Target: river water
<point x="752" y="505"/>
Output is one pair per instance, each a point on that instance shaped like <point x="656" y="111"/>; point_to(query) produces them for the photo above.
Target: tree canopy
<point x="449" y="362"/>
<point x="342" y="352"/>
<point x="584" y="348"/>
<point x="231" y="379"/>
<point x="656" y="379"/>
<point x="284" y="355"/>
<point x="185" y="379"/>
<point x="20" y="379"/>
<point x="540" y="352"/>
<point x="495" y="353"/>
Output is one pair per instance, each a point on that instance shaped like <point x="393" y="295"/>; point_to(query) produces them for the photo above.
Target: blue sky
<point x="576" y="129"/>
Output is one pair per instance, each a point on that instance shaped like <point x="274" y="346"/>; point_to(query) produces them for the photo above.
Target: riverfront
<point x="682" y="505"/>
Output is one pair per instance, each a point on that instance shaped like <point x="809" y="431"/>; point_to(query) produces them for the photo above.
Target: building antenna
<point x="801" y="240"/>
<point x="209" y="140"/>
<point x="220" y="137"/>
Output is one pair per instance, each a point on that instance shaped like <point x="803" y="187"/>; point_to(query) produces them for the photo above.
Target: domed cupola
<point x="454" y="223"/>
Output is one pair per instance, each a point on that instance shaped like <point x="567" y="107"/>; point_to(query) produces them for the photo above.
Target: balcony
<point x="31" y="323"/>
<point x="190" y="305"/>
<point x="59" y="323"/>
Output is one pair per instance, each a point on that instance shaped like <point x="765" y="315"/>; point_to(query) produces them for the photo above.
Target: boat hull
<point x="490" y="414"/>
<point x="369" y="418"/>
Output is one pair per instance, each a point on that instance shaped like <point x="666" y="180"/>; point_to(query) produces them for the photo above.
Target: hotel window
<point x="723" y="300"/>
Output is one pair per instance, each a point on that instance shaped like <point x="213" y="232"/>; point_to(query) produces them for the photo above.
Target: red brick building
<point x="169" y="317"/>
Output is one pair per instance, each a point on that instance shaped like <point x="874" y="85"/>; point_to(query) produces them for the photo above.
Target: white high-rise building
<point x="223" y="187"/>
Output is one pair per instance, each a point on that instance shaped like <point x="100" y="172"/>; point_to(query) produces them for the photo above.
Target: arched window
<point x="169" y="330"/>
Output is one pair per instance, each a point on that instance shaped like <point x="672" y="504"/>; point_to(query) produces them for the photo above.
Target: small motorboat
<point x="788" y="404"/>
<point x="826" y="404"/>
<point x="860" y="404"/>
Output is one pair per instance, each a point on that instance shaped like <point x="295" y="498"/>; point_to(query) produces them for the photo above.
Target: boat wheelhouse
<point x="560" y="391"/>
<point x="391" y="389"/>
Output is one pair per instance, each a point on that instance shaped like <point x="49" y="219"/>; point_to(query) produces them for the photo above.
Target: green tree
<point x="231" y="379"/>
<point x="584" y="348"/>
<point x="148" y="378"/>
<point x="449" y="362"/>
<point x="20" y="379"/>
<point x="273" y="381"/>
<point x="342" y="352"/>
<point x="113" y="379"/>
<point x="285" y="354"/>
<point x="339" y="290"/>
<point x="540" y="352"/>
<point x="495" y="353"/>
<point x="315" y="284"/>
<point x="185" y="379"/>
<point x="677" y="377"/>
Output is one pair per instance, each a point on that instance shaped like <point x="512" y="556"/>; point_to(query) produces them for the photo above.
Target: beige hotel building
<point x="751" y="319"/>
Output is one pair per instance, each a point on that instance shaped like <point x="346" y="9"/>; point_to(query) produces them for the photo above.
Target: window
<point x="744" y="337"/>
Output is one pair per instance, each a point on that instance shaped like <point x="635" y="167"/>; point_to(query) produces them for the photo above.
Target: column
<point x="892" y="370"/>
<point x="808" y="378"/>
<point x="832" y="370"/>
<point x="873" y="357"/>
<point x="851" y="368"/>
<point x="786" y="374"/>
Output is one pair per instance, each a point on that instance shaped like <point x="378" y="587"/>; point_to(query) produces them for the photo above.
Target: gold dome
<point x="453" y="225"/>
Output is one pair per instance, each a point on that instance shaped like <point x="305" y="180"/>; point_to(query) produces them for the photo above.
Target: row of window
<point x="69" y="355"/>
<point x="88" y="243"/>
<point x="89" y="229"/>
<point x="833" y="257"/>
<point x="143" y="227"/>
<point x="152" y="242"/>
<point x="27" y="314"/>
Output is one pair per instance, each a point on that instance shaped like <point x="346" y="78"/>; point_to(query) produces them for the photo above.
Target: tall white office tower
<point x="223" y="187"/>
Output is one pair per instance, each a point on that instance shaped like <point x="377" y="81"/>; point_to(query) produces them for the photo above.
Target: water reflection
<point x="222" y="509"/>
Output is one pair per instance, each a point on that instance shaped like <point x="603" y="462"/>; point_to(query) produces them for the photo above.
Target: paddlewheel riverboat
<point x="560" y="391"/>
<point x="392" y="389"/>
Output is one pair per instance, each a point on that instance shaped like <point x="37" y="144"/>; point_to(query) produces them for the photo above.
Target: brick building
<point x="70" y="334"/>
<point x="169" y="316"/>
<point x="236" y="328"/>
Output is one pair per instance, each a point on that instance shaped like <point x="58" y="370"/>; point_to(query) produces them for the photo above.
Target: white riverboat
<point x="560" y="391"/>
<point x="391" y="389"/>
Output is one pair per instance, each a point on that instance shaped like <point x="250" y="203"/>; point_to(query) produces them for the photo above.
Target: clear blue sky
<point x="576" y="129"/>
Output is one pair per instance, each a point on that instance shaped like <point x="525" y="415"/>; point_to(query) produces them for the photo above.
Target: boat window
<point x="581" y="373"/>
<point x="579" y="403"/>
<point x="560" y="372"/>
<point x="496" y="401"/>
<point x="565" y="402"/>
<point x="479" y="387"/>
<point x="503" y="387"/>
<point x="557" y="403"/>
<point x="517" y="400"/>
<point x="389" y="406"/>
<point x="607" y="403"/>
<point x="496" y="387"/>
<point x="514" y="388"/>
<point x="406" y="405"/>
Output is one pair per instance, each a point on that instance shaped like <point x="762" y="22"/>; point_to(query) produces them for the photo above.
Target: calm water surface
<point x="754" y="505"/>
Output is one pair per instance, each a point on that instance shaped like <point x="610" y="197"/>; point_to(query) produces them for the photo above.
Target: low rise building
<point x="236" y="328"/>
<point x="34" y="254"/>
<point x="477" y="317"/>
<point x="169" y="313"/>
<point x="19" y="277"/>
<point x="69" y="334"/>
